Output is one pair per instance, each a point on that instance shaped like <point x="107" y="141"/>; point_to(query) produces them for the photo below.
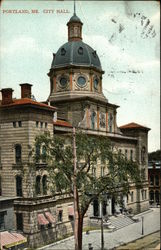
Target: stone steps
<point x="120" y="222"/>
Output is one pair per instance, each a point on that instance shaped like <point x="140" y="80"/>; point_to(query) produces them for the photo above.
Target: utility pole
<point x="75" y="192"/>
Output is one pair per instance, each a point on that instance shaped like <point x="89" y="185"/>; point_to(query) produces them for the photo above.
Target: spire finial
<point x="74" y="8"/>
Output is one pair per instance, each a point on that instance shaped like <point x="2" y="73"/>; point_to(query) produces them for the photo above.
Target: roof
<point x="8" y="240"/>
<point x="133" y="125"/>
<point x="76" y="53"/>
<point x="74" y="18"/>
<point x="62" y="123"/>
<point x="27" y="101"/>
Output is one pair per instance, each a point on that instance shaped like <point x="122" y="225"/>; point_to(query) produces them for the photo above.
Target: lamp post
<point x="142" y="225"/>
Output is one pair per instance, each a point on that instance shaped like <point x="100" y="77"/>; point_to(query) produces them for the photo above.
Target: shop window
<point x="60" y="216"/>
<point x="18" y="185"/>
<point x="19" y="221"/>
<point x="38" y="190"/>
<point x="44" y="184"/>
<point x="157" y="197"/>
<point x="18" y="153"/>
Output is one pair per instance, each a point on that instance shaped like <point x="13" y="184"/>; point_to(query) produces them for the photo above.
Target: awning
<point x="8" y="240"/>
<point x="50" y="218"/>
<point x="71" y="211"/>
<point x="42" y="220"/>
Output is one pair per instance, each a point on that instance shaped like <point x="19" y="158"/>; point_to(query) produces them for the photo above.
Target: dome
<point x="76" y="53"/>
<point x="74" y="18"/>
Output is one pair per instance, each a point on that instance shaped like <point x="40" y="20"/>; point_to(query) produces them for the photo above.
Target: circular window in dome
<point x="63" y="82"/>
<point x="96" y="82"/>
<point x="81" y="81"/>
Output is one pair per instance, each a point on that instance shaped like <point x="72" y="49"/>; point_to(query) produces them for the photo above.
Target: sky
<point x="125" y="35"/>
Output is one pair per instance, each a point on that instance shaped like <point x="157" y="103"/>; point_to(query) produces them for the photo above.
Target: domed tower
<point x="76" y="80"/>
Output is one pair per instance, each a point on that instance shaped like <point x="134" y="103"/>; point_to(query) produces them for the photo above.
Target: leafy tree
<point x="118" y="175"/>
<point x="155" y="156"/>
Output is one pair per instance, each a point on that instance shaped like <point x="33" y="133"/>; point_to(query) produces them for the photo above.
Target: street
<point x="116" y="238"/>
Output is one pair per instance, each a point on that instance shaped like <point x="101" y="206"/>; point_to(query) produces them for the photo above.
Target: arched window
<point x="18" y="185"/>
<point x="18" y="153"/>
<point x="44" y="184"/>
<point x="38" y="179"/>
<point x="37" y="149"/>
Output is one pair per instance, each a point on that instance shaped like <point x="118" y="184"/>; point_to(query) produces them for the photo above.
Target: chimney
<point x="6" y="96"/>
<point x="26" y="90"/>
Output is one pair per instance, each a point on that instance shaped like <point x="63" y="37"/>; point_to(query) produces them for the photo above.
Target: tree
<point x="119" y="172"/>
<point x="155" y="155"/>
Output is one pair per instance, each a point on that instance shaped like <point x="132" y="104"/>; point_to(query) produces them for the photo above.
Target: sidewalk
<point x="116" y="238"/>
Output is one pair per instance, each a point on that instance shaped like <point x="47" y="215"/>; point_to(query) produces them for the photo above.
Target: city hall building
<point x="76" y="96"/>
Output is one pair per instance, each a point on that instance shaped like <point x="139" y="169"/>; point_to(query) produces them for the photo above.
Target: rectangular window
<point x="37" y="124"/>
<point x="131" y="155"/>
<point x="145" y="194"/>
<point x="102" y="171"/>
<point x="46" y="125"/>
<point x="125" y="153"/>
<point x="2" y="222"/>
<point x="20" y="124"/>
<point x="19" y="221"/>
<point x="41" y="124"/>
<point x="60" y="216"/>
<point x="132" y="196"/>
<point x="142" y="194"/>
<point x="14" y="124"/>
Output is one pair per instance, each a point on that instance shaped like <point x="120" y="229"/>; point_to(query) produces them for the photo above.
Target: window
<point x="93" y="116"/>
<point x="20" y="124"/>
<point x="44" y="153"/>
<point x="131" y="155"/>
<point x="18" y="153"/>
<point x="145" y="194"/>
<point x="94" y="172"/>
<point x="157" y="180"/>
<point x="151" y="180"/>
<point x="143" y="154"/>
<point x="157" y="197"/>
<point x="41" y="124"/>
<point x="19" y="221"/>
<point x="14" y="124"/>
<point x="0" y="155"/>
<point x="142" y="194"/>
<point x="37" y="124"/>
<point x="60" y="216"/>
<point x="2" y="221"/>
<point x="151" y="195"/>
<point x="95" y="208"/>
<point x="37" y="152"/>
<point x="126" y="154"/>
<point x="46" y="124"/>
<point x="44" y="184"/>
<point x="18" y="185"/>
<point x="38" y="179"/>
<point x="104" y="211"/>
<point x="110" y="122"/>
<point x="132" y="196"/>
<point x="102" y="171"/>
